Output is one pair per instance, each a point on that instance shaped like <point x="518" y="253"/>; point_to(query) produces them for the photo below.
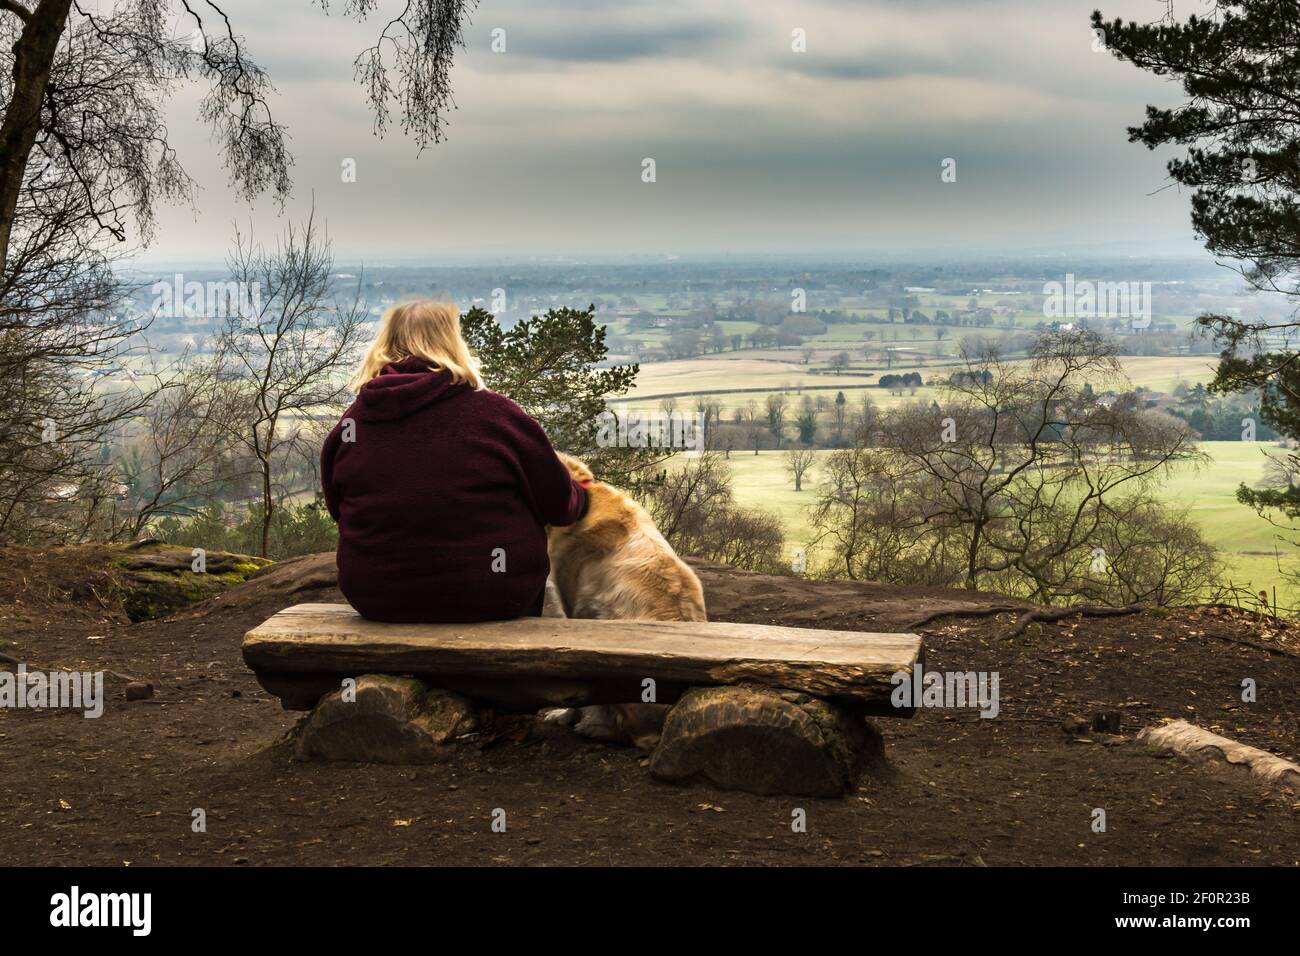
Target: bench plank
<point x="530" y="662"/>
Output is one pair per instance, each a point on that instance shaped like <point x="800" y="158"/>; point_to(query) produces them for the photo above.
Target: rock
<point x="1074" y="726"/>
<point x="160" y="581"/>
<point x="395" y="720"/>
<point x="139" y="690"/>
<point x="765" y="741"/>
<point x="294" y="575"/>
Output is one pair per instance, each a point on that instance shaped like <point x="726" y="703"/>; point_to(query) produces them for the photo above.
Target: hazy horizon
<point x="1190" y="253"/>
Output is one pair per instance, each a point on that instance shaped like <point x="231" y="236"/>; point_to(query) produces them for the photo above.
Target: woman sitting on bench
<point x="440" y="487"/>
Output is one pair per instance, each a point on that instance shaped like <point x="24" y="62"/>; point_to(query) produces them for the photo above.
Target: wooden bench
<point x="527" y="663"/>
<point x="762" y="708"/>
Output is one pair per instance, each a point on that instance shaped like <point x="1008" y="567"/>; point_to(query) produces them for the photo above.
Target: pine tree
<point x="1240" y="72"/>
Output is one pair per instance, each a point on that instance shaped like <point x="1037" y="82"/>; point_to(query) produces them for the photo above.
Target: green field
<point x="734" y="382"/>
<point x="1257" y="553"/>
<point x="736" y="370"/>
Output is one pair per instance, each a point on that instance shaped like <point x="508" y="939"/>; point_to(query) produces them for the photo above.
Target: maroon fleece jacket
<point x="441" y="493"/>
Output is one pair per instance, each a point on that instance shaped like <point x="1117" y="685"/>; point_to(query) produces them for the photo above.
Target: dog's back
<point x="615" y="564"/>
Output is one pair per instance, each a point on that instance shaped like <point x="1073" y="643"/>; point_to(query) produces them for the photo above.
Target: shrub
<point x="296" y="529"/>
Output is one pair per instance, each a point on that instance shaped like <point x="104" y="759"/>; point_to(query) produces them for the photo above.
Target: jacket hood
<point x="402" y="389"/>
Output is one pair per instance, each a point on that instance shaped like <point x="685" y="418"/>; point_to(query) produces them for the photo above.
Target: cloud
<point x="611" y="43"/>
<point x="758" y="147"/>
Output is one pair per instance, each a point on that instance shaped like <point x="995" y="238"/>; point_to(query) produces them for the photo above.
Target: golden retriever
<point x="614" y="564"/>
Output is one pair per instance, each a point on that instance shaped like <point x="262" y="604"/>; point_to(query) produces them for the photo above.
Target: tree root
<point x="1060" y="613"/>
<point x="965" y="612"/>
<point x="1030" y="616"/>
<point x="1048" y="615"/>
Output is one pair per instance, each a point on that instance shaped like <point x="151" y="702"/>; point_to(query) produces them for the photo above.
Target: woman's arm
<point x="332" y="442"/>
<point x="557" y="498"/>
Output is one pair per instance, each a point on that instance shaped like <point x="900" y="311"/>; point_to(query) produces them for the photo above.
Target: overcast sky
<point x="758" y="149"/>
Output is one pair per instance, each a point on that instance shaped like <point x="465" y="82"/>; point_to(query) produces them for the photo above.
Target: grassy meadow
<point x="1258" y="555"/>
<point x="720" y="376"/>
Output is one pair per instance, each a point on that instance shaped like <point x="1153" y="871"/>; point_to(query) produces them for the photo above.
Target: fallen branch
<point x="1194" y="743"/>
<point x="1246" y="642"/>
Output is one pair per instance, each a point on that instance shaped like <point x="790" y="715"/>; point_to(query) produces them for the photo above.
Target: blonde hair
<point x="423" y="329"/>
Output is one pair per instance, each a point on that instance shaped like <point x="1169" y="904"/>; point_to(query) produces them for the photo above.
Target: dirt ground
<point x="966" y="791"/>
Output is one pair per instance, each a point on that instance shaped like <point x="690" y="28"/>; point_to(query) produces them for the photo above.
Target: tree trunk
<point x="765" y="740"/>
<point x="394" y="720"/>
<point x="267" y="504"/>
<point x="972" y="576"/>
<point x="33" y="58"/>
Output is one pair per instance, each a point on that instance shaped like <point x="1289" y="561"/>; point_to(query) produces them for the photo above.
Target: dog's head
<point x="580" y="473"/>
<point x="578" y="469"/>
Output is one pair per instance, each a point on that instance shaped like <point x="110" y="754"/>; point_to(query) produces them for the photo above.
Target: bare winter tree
<point x="85" y="88"/>
<point x="751" y="421"/>
<point x="775" y="408"/>
<point x="84" y="155"/>
<point x="797" y="463"/>
<point x="871" y="520"/>
<point x="54" y="437"/>
<point x="287" y="359"/>
<point x="681" y="503"/>
<point x="178" y="459"/>
<point x="839" y="417"/>
<point x="82" y="150"/>
<point x="410" y="63"/>
<point x="86" y="93"/>
<point x="1142" y="552"/>
<point x="1013" y="482"/>
<point x="58" y="333"/>
<point x="694" y="506"/>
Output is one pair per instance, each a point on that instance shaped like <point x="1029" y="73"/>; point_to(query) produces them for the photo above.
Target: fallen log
<point x="303" y="652"/>
<point x="1196" y="744"/>
<point x="393" y="720"/>
<point x="766" y="741"/>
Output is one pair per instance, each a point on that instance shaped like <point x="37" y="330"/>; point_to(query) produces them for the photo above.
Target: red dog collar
<point x="585" y="483"/>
